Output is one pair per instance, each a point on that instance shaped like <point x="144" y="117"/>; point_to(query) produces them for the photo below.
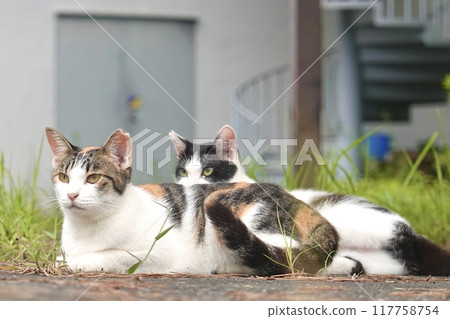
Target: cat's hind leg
<point x="342" y="265"/>
<point x="247" y="248"/>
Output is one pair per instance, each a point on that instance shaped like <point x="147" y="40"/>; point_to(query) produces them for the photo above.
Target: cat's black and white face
<point x="90" y="181"/>
<point x="216" y="162"/>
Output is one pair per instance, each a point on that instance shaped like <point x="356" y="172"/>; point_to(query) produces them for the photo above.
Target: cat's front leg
<point x="118" y="261"/>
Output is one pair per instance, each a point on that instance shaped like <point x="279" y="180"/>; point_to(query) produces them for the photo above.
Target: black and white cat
<point x="377" y="239"/>
<point x="216" y="162"/>
<point x="110" y="224"/>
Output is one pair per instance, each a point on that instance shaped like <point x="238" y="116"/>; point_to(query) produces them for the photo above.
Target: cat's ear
<point x="179" y="143"/>
<point x="119" y="146"/>
<point x="226" y="144"/>
<point x="59" y="145"/>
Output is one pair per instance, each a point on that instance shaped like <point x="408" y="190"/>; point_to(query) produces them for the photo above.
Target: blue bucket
<point x="379" y="146"/>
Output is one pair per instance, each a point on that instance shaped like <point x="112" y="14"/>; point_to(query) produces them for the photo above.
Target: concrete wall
<point x="234" y="40"/>
<point x="340" y="115"/>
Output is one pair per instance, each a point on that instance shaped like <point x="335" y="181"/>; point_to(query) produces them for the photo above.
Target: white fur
<point x="276" y="240"/>
<point x="364" y="232"/>
<point x="194" y="169"/>
<point x="240" y="175"/>
<point x="103" y="234"/>
<point x="374" y="261"/>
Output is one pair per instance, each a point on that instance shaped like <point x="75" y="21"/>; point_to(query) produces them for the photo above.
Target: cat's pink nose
<point x="72" y="196"/>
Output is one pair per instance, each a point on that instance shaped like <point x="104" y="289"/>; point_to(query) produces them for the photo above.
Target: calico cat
<point x="373" y="239"/>
<point x="110" y="224"/>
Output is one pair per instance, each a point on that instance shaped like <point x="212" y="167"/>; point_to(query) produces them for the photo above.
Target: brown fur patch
<point x="240" y="209"/>
<point x="228" y="190"/>
<point x="241" y="185"/>
<point x="243" y="209"/>
<point x="154" y="189"/>
<point x="307" y="219"/>
<point x="87" y="149"/>
<point x="55" y="177"/>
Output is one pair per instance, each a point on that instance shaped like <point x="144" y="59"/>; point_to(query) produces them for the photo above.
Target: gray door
<point x="100" y="88"/>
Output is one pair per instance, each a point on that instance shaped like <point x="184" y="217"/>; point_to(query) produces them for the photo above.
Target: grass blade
<point x="133" y="268"/>
<point x="419" y="159"/>
<point x="162" y="234"/>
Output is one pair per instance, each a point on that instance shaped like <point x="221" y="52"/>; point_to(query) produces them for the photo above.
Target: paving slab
<point x="33" y="285"/>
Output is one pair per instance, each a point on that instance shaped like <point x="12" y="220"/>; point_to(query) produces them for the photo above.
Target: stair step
<point x="417" y="54"/>
<point x="401" y="74"/>
<point x="392" y="111"/>
<point x="419" y="92"/>
<point x="392" y="36"/>
<point x="346" y="5"/>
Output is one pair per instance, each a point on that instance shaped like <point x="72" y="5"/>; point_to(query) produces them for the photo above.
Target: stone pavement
<point x="35" y="286"/>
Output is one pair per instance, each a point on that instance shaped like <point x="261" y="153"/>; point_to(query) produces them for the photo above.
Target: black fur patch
<point x="249" y="249"/>
<point x="117" y="189"/>
<point x="419" y="255"/>
<point x="201" y="191"/>
<point x="381" y="209"/>
<point x="176" y="196"/>
<point x="223" y="171"/>
<point x="358" y="269"/>
<point x="331" y="199"/>
<point x="200" y="213"/>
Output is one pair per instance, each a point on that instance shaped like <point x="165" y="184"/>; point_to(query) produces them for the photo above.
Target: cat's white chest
<point x="132" y="225"/>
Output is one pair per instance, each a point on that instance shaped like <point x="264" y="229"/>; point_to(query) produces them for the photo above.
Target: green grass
<point x="29" y="233"/>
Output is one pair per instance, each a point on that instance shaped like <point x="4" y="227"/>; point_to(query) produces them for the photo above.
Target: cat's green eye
<point x="182" y="172"/>
<point x="63" y="178"/>
<point x="92" y="179"/>
<point x="208" y="171"/>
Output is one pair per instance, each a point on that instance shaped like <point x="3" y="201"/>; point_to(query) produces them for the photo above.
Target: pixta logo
<point x="153" y="150"/>
<point x="146" y="144"/>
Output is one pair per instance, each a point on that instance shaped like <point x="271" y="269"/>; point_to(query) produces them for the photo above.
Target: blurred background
<point x="87" y="67"/>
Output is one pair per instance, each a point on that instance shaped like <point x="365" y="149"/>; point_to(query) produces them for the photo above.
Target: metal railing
<point x="400" y="13"/>
<point x="253" y="121"/>
<point x="254" y="96"/>
<point x="437" y="27"/>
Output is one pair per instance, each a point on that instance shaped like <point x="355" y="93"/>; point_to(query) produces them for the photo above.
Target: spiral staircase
<point x="403" y="53"/>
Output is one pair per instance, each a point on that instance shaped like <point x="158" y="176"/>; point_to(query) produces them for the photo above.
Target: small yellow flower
<point x="446" y="82"/>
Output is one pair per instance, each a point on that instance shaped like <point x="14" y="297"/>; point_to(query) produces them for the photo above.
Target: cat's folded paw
<point x="342" y="265"/>
<point x="86" y="264"/>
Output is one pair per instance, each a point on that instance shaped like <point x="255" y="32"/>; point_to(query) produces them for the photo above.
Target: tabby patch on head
<point x="215" y="162"/>
<point x="90" y="179"/>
